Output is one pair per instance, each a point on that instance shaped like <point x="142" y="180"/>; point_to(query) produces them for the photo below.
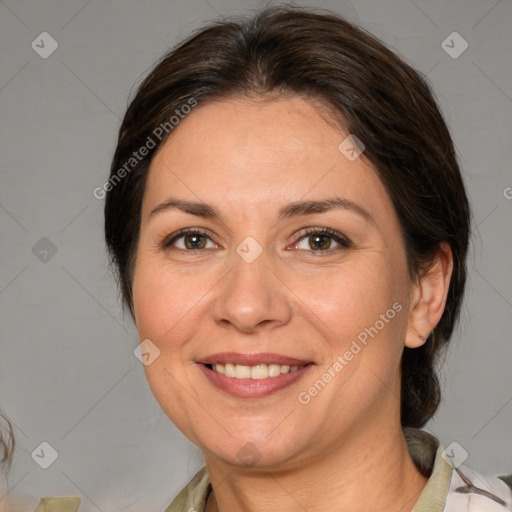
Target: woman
<point x="7" y="443"/>
<point x="7" y="502"/>
<point x="289" y="227"/>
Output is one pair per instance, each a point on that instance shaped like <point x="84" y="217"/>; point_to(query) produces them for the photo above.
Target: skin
<point x="344" y="450"/>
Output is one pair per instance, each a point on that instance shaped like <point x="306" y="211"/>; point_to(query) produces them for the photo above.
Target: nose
<point x="252" y="297"/>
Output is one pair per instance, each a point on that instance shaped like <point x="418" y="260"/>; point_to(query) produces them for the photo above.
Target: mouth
<point x="256" y="372"/>
<point x="252" y="376"/>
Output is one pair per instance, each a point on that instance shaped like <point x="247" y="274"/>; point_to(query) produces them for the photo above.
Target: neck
<point x="370" y="471"/>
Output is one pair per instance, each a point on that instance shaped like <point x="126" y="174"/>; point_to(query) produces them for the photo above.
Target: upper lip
<point x="252" y="359"/>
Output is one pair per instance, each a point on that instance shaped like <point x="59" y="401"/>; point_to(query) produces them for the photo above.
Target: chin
<point x="251" y="451"/>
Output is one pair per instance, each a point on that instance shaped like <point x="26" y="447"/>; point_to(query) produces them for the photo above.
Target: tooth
<point x="256" y="372"/>
<point x="274" y="370"/>
<point x="259" y="371"/>
<point x="229" y="370"/>
<point x="242" y="371"/>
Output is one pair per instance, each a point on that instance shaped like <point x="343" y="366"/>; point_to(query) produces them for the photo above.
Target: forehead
<point x="251" y="154"/>
<point x="278" y="129"/>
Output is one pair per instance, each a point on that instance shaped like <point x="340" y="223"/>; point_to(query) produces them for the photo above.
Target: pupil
<point x="194" y="242"/>
<point x="320" y="242"/>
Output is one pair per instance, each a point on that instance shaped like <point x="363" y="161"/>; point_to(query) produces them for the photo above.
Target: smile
<point x="257" y="372"/>
<point x="252" y="375"/>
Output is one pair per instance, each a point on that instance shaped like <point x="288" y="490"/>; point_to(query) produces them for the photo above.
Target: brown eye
<point x="321" y="240"/>
<point x="189" y="240"/>
<point x="317" y="242"/>
<point x="195" y="241"/>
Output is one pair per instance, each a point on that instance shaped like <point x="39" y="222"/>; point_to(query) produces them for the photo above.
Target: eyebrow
<point x="295" y="209"/>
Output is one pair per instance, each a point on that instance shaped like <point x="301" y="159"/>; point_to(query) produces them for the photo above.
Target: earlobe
<point x="429" y="297"/>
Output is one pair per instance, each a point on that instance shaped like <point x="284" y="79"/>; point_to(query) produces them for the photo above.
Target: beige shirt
<point x="450" y="488"/>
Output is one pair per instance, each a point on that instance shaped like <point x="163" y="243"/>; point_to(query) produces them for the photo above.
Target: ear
<point x="429" y="297"/>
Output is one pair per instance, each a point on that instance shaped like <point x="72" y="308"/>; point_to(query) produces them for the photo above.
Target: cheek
<point x="352" y="298"/>
<point x="164" y="299"/>
<point x="360" y="310"/>
<point x="167" y="310"/>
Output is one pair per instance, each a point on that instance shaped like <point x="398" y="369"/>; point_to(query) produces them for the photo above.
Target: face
<point x="293" y="257"/>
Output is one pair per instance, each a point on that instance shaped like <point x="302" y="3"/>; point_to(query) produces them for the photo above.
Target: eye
<point x="320" y="239"/>
<point x="317" y="239"/>
<point x="189" y="239"/>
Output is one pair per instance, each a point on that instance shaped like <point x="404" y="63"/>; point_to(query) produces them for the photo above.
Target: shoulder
<point x="473" y="491"/>
<point x="192" y="498"/>
<point x="59" y="504"/>
<point x="453" y="486"/>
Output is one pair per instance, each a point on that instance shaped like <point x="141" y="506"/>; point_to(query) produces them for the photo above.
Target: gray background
<point x="68" y="375"/>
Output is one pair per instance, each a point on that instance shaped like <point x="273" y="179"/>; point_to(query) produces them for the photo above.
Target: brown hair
<point x="372" y="92"/>
<point x="7" y="443"/>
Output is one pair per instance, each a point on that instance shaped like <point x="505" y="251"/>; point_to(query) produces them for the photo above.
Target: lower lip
<point x="253" y="388"/>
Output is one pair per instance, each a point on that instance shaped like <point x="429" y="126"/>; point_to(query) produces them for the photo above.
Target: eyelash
<point x="343" y="241"/>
